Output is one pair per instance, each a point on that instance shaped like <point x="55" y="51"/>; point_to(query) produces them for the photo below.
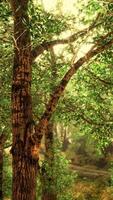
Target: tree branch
<point x="39" y="49"/>
<point x="91" y="122"/>
<point x="85" y="118"/>
<point x="105" y="82"/>
<point x="17" y="5"/>
<point x="51" y="106"/>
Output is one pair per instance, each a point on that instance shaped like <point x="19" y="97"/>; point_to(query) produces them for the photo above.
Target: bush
<point x="60" y="178"/>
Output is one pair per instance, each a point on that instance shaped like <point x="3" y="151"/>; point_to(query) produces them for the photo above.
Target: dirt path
<point x="89" y="171"/>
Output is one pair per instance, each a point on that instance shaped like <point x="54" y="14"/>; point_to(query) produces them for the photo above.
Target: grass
<point x="85" y="189"/>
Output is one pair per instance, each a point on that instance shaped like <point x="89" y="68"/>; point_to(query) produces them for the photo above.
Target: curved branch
<point x="39" y="49"/>
<point x="51" y="106"/>
<point x="105" y="82"/>
<point x="90" y="54"/>
<point x="90" y="121"/>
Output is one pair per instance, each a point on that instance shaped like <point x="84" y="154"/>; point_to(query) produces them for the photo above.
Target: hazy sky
<point x="67" y="5"/>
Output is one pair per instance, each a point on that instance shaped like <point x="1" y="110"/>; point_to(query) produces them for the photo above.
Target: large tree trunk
<point x="24" y="179"/>
<point x="23" y="152"/>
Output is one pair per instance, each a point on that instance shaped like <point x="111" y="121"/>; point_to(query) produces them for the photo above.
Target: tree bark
<point x="48" y="196"/>
<point x="24" y="178"/>
<point x="24" y="154"/>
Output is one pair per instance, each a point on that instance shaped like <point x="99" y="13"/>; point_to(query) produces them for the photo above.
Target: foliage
<point x="7" y="175"/>
<point x="85" y="191"/>
<point x="107" y="194"/>
<point x="88" y="100"/>
<point x="44" y="25"/>
<point x="60" y="174"/>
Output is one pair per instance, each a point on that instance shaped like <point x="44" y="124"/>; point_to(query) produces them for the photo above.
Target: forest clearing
<point x="56" y="100"/>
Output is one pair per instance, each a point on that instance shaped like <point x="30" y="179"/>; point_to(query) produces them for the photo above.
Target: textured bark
<point x="48" y="196"/>
<point x="23" y="152"/>
<point x="24" y="178"/>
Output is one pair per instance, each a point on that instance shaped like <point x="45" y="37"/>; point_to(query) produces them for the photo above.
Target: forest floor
<point x="92" y="183"/>
<point x="85" y="189"/>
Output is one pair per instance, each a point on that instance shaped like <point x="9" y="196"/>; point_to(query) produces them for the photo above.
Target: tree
<point x="26" y="135"/>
